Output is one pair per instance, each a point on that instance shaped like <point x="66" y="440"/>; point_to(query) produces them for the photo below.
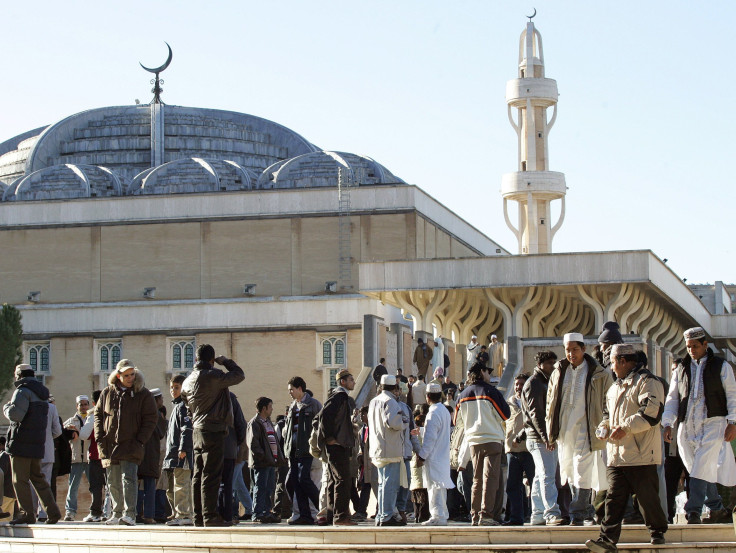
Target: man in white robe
<point x="702" y="398"/>
<point x="435" y="456"/>
<point x="575" y="400"/>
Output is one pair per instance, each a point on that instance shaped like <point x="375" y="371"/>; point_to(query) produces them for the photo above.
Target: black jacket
<point x="259" y="450"/>
<point x="236" y="432"/>
<point x="308" y="409"/>
<point x="207" y="395"/>
<point x="179" y="438"/>
<point x="337" y="418"/>
<point x="150" y="466"/>
<point x="28" y="412"/>
<point x="534" y="406"/>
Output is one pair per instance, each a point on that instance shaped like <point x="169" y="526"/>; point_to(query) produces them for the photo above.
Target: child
<point x="179" y="457"/>
<point x="418" y="491"/>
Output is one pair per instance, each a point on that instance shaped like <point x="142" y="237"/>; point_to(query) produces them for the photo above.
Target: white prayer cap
<point x="82" y="398"/>
<point x="155" y="392"/>
<point x="622" y="349"/>
<point x="694" y="333"/>
<point x="388" y="380"/>
<point x="434" y="388"/>
<point x="494" y="336"/>
<point x="573" y="337"/>
<point x="473" y="337"/>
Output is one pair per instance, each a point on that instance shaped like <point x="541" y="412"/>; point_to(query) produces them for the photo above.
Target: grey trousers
<point x="27" y="472"/>
<point x="122" y="480"/>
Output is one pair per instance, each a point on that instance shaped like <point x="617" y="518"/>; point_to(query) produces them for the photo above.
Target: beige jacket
<point x="635" y="404"/>
<point x="514" y="427"/>
<point x="596" y="386"/>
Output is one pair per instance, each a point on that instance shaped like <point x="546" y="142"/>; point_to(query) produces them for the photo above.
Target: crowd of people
<point x="583" y="440"/>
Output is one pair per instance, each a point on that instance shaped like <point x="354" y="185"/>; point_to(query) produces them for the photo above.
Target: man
<point x="438" y="353"/>
<point x="435" y="457"/>
<point x="388" y="423"/>
<point x="264" y="456"/>
<point x="125" y="418"/>
<point x="297" y="431"/>
<point x="28" y="413"/>
<point x="472" y="350"/>
<point x="610" y="335"/>
<point x="339" y="438"/>
<point x="673" y="466"/>
<point x="545" y="509"/>
<point x="422" y="357"/>
<point x="208" y="399"/>
<point x="149" y="469"/>
<point x="96" y="472"/>
<point x="379" y="371"/>
<point x="482" y="410"/>
<point x="418" y="391"/>
<point x="179" y="457"/>
<point x="483" y="358"/>
<point x="631" y="429"/>
<point x="575" y="399"/>
<point x="702" y="400"/>
<point x="520" y="462"/>
<point x="79" y="449"/>
<point x="233" y="440"/>
<point x="495" y="355"/>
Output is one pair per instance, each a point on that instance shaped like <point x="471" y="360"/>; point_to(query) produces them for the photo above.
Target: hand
<point x="420" y="461"/>
<point x="549" y="446"/>
<point x="668" y="434"/>
<point x="617" y="434"/>
<point x="730" y="433"/>
<point x="220" y="359"/>
<point x="414" y="432"/>
<point x="182" y="454"/>
<point x="330" y="441"/>
<point x="460" y="469"/>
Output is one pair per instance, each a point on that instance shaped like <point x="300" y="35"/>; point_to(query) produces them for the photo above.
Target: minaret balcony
<point x="547" y="185"/>
<point x="542" y="92"/>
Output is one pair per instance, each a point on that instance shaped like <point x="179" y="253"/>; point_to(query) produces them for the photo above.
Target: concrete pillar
<point x="399" y="330"/>
<point x="462" y="350"/>
<point x="515" y="360"/>
<point x="370" y="340"/>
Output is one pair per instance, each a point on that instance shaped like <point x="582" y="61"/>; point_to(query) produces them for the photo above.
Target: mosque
<point x="141" y="231"/>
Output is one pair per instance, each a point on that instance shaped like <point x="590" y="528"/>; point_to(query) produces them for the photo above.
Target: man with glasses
<point x="125" y="418"/>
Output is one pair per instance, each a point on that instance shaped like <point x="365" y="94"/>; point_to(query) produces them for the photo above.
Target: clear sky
<point x="645" y="129"/>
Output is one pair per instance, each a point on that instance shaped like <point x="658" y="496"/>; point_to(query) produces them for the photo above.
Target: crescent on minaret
<point x="158" y="70"/>
<point x="532" y="15"/>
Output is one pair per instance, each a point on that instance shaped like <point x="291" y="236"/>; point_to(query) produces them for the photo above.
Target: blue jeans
<point x="402" y="498"/>
<point x="544" y="489"/>
<point x="264" y="486"/>
<point x="388" y="490"/>
<point x="520" y="463"/>
<point x="240" y="491"/>
<point x="146" y="504"/>
<point x="299" y="481"/>
<point x="75" y="478"/>
<point x="702" y="492"/>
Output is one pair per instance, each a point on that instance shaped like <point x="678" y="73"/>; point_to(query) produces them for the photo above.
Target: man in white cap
<point x="387" y="423"/>
<point x="79" y="447"/>
<point x="702" y="399"/>
<point x="435" y="456"/>
<point x="631" y="430"/>
<point x="472" y="350"/>
<point x="495" y="355"/>
<point x="575" y="399"/>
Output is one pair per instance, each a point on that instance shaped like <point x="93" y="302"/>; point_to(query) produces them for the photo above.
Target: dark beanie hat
<point x="610" y="333"/>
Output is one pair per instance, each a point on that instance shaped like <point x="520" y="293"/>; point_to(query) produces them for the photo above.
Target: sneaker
<point x="69" y="517"/>
<point x="173" y="522"/>
<point x="359" y="517"/>
<point x="112" y="521"/>
<point x="540" y="522"/>
<point x="127" y="521"/>
<point x="600" y="546"/>
<point x="657" y="538"/>
<point x="488" y="522"/>
<point x="589" y="522"/>
<point x="435" y="522"/>
<point x="92" y="518"/>
<point x="554" y="521"/>
<point x="185" y="522"/>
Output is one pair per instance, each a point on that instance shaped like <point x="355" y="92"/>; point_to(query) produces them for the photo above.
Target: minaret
<point x="532" y="185"/>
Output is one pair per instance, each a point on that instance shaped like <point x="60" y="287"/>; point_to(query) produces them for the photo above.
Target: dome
<point x="65" y="182"/>
<point x="321" y="169"/>
<point x="193" y="175"/>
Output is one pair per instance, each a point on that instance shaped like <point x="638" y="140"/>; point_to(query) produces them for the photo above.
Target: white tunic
<point x="579" y="466"/>
<point x="436" y="447"/>
<point x="700" y="439"/>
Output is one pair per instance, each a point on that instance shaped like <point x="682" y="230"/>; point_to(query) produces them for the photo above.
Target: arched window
<point x="181" y="355"/>
<point x="39" y="357"/>
<point x="108" y="355"/>
<point x="333" y="350"/>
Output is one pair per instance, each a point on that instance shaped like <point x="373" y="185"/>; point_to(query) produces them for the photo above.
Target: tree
<point x="11" y="342"/>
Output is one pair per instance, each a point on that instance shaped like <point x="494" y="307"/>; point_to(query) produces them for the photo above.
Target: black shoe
<point x="694" y="518"/>
<point x="22" y="520"/>
<point x="565" y="521"/>
<point x="576" y="522"/>
<point x="657" y="538"/>
<point x="246" y="516"/>
<point x="391" y="522"/>
<point x="53" y="520"/>
<point x="719" y="517"/>
<point x="600" y="546"/>
<point x="217" y="523"/>
<point x="3" y="514"/>
<point x="301" y="521"/>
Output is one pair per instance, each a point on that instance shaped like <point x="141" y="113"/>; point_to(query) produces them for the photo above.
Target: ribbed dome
<point x="65" y="182"/>
<point x="193" y="175"/>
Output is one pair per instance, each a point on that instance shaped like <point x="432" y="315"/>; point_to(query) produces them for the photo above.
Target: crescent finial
<point x="532" y="15"/>
<point x="163" y="67"/>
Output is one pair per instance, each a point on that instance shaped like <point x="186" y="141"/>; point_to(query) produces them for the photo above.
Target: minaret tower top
<point x="533" y="185"/>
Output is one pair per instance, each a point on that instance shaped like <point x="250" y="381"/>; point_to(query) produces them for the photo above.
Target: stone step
<point x="89" y="538"/>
